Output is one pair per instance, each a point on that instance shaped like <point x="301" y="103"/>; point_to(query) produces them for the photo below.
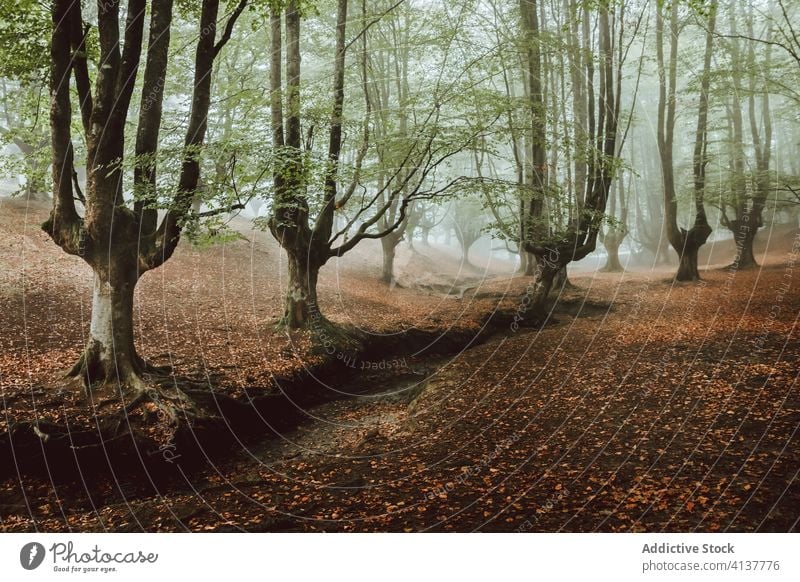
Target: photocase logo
<point x="32" y="555"/>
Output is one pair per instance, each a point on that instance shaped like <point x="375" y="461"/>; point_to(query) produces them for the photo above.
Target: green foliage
<point x="24" y="35"/>
<point x="207" y="232"/>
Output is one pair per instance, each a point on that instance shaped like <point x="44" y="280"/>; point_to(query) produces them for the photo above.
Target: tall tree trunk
<point x="465" y="246"/>
<point x="426" y="232"/>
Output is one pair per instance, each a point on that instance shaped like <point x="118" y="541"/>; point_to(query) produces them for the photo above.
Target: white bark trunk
<point x="101" y="329"/>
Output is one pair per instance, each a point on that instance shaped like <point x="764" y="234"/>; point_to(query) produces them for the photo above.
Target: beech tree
<point x="617" y="229"/>
<point x="555" y="247"/>
<point x="305" y="203"/>
<point x="686" y="243"/>
<point x="749" y="190"/>
<point x="467" y="222"/>
<point x="117" y="233"/>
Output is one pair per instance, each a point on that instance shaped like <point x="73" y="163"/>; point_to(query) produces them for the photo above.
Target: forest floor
<point x="644" y="405"/>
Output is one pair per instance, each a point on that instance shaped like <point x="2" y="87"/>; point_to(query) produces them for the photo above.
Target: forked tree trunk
<point x="301" y="309"/>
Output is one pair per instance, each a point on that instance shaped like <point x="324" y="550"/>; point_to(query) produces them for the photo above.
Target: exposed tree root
<point x="97" y="372"/>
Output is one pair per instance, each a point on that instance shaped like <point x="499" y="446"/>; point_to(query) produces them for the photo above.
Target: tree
<point x="749" y="194"/>
<point x="555" y="248"/>
<point x="617" y="229"/>
<point x="467" y="222"/>
<point x="686" y="243"/>
<point x="119" y="236"/>
<point x="304" y="204"/>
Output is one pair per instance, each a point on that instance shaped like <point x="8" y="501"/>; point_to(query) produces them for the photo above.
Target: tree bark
<point x="110" y="356"/>
<point x="687" y="262"/>
<point x="301" y="309"/>
<point x="543" y="283"/>
<point x="527" y="263"/>
<point x="389" y="246"/>
<point x="743" y="236"/>
<point x="116" y="241"/>
<point x="612" y="242"/>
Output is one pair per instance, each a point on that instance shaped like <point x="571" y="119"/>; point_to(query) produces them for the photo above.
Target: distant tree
<point x="23" y="72"/>
<point x="617" y="228"/>
<point x="24" y="124"/>
<point x="467" y="221"/>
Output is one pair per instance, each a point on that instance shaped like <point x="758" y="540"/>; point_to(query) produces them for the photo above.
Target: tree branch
<point x="226" y="34"/>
